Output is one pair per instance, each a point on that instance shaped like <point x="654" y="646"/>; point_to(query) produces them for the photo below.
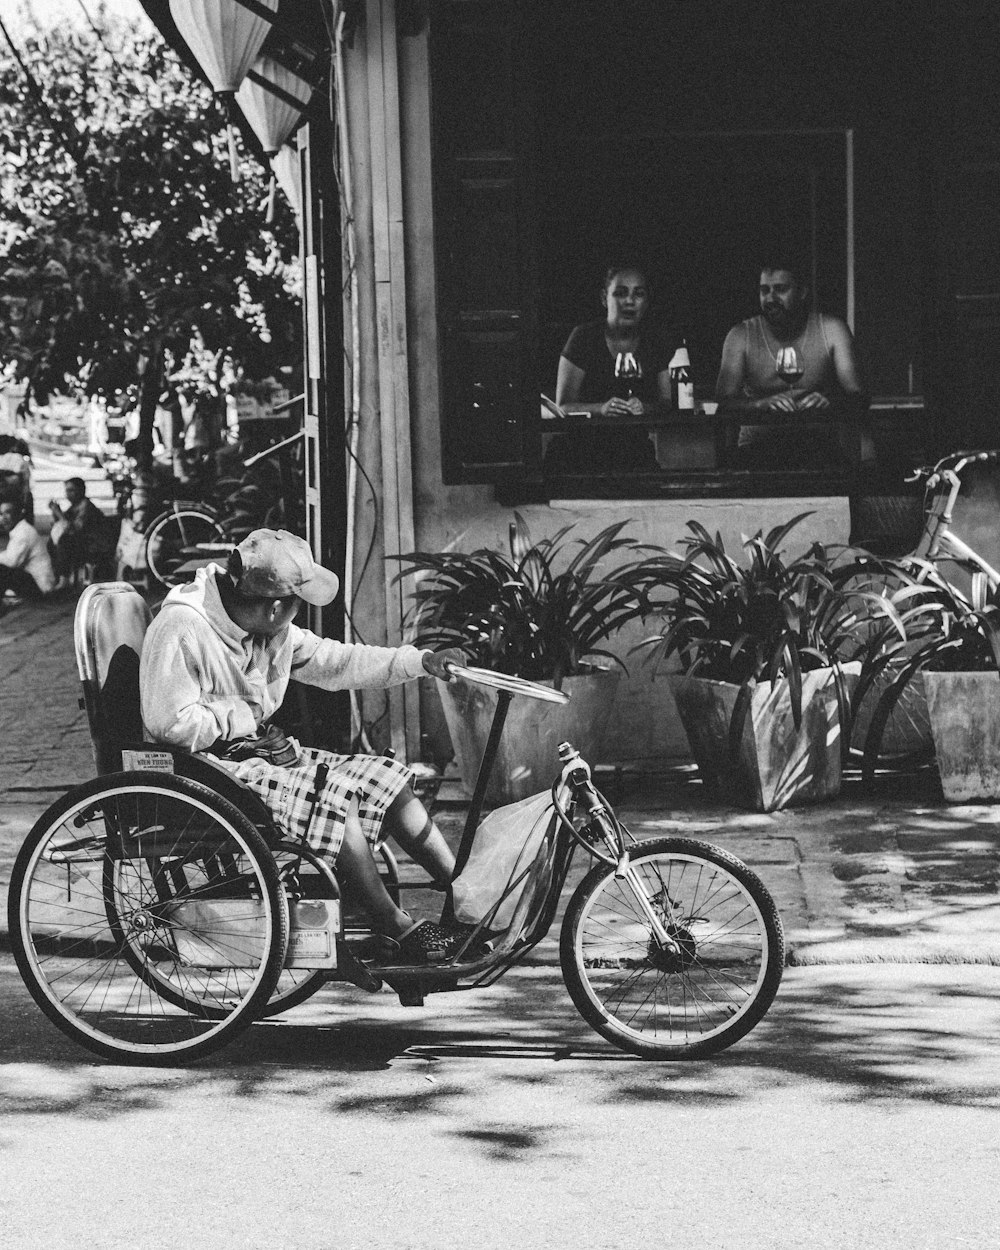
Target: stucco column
<point x="383" y="508"/>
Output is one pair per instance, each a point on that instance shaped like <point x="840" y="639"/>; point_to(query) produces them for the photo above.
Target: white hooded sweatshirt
<point x="202" y="678"/>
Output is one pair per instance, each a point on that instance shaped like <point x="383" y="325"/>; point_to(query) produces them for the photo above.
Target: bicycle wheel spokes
<point x="201" y="951"/>
<point x="304" y="876"/>
<point x="145" y="920"/>
<point x="707" y="915"/>
<point x="697" y="997"/>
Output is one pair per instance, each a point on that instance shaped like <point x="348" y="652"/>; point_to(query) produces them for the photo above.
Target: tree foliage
<point x="123" y="238"/>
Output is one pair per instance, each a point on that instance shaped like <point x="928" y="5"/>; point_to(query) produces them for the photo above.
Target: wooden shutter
<point x="485" y="229"/>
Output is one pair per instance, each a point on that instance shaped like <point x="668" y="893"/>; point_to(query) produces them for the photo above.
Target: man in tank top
<point x="782" y="411"/>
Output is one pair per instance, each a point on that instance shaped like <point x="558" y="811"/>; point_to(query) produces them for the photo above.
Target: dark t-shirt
<point x="587" y="348"/>
<point x="603" y="450"/>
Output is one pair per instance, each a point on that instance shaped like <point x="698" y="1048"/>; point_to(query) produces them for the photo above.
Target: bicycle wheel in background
<point x="170" y="538"/>
<point x="685" y="1004"/>
<point x="904" y="739"/>
<point x="147" y="919"/>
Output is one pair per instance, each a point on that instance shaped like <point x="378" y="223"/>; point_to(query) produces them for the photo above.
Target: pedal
<point x="354" y="970"/>
<point x="410" y="995"/>
<point x="376" y="949"/>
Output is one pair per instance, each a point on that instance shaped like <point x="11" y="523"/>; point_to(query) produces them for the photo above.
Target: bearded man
<point x="786" y="369"/>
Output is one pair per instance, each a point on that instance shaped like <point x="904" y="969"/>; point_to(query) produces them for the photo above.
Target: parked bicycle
<point x="221" y="512"/>
<point x="902" y="735"/>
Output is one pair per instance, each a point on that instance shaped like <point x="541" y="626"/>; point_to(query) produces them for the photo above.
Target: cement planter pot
<point x="778" y="765"/>
<point x="965" y="724"/>
<point x="527" y="760"/>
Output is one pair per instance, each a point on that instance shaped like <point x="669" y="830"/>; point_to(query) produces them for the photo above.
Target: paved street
<point x="861" y="1112"/>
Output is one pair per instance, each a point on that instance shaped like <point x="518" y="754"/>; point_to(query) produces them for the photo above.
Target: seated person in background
<point x="215" y="665"/>
<point x="25" y="567"/>
<point x="81" y="533"/>
<point x="829" y="384"/>
<point x="587" y="381"/>
<point x="15" y="471"/>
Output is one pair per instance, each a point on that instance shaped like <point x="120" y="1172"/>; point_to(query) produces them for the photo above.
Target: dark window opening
<point x="696" y="139"/>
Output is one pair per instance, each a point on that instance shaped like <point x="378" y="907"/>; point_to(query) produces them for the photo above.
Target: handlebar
<point x="607" y="835"/>
<point x="504" y="681"/>
<point x="959" y="458"/>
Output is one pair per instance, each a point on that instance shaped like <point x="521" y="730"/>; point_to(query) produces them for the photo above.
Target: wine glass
<point x="788" y="365"/>
<point x="628" y="370"/>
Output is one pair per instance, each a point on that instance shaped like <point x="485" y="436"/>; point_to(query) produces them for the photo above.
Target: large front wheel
<point x="706" y="992"/>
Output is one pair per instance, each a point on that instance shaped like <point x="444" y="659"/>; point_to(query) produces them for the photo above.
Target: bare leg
<point x="357" y="867"/>
<point x="408" y="822"/>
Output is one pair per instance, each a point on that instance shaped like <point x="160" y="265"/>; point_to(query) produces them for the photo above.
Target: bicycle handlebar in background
<point x="297" y="399"/>
<point x="269" y="451"/>
<point x="961" y="458"/>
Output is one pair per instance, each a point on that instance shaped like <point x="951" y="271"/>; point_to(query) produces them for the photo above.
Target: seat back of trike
<point x="109" y="627"/>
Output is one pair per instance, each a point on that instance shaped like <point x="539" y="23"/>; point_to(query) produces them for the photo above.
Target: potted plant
<point x="954" y="651"/>
<point x="544" y="611"/>
<point x="764" y="649"/>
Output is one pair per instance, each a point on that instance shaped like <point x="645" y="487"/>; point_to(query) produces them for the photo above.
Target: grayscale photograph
<point x="499" y="624"/>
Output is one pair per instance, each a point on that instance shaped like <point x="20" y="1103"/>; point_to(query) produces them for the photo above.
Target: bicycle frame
<point x="937" y="541"/>
<point x="549" y="870"/>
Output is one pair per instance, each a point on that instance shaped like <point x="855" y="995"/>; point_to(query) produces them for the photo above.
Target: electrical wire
<point x="374" y="499"/>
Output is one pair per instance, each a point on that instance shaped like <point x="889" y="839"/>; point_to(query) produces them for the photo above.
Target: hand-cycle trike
<point x="156" y="910"/>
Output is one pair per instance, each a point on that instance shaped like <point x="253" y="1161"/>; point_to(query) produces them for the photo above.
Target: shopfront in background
<point x="491" y="154"/>
<point x="699" y="138"/>
<point x="860" y="135"/>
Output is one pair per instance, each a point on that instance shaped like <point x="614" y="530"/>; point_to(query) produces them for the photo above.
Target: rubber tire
<point x="284" y="999"/>
<point x="603" y="1021"/>
<point x="244" y="1010"/>
<point x="206" y="529"/>
<point x="906" y="739"/>
<point x="290" y="992"/>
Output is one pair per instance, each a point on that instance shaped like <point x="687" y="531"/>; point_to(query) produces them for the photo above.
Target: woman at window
<point x="591" y="379"/>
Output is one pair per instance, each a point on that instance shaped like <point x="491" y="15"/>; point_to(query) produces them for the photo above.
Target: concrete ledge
<point x="868" y="951"/>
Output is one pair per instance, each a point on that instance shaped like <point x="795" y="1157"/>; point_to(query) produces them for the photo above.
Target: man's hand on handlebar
<point x="438" y="663"/>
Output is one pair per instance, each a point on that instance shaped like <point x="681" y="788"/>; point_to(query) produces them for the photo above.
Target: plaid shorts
<point x="289" y="794"/>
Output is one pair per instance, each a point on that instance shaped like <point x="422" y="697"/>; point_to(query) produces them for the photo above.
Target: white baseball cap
<point x="274" y="564"/>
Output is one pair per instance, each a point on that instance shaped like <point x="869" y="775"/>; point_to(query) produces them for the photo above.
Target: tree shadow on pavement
<point x="923" y="1034"/>
<point x="880" y="1031"/>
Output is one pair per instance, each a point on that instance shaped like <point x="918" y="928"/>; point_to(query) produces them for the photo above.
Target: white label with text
<point x="147" y="761"/>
